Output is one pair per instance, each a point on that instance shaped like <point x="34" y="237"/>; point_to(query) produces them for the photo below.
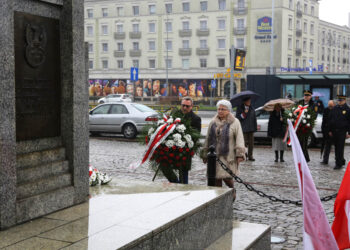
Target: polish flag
<point x="317" y="231"/>
<point x="341" y="223"/>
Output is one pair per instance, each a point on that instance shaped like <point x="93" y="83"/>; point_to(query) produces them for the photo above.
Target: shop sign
<point x="308" y="69"/>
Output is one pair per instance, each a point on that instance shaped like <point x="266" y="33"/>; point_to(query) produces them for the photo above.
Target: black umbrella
<point x="238" y="98"/>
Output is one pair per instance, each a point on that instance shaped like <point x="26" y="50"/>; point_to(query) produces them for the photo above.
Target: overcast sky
<point x="335" y="11"/>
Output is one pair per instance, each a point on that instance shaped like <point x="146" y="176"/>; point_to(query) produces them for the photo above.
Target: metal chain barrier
<point x="262" y="194"/>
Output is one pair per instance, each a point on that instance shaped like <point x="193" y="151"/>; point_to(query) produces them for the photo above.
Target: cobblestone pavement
<point x="113" y="156"/>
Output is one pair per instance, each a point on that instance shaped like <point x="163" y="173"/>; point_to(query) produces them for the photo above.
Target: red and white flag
<point x="317" y="231"/>
<point x="341" y="223"/>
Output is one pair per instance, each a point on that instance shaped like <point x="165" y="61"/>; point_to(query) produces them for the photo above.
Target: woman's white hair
<point x="224" y="103"/>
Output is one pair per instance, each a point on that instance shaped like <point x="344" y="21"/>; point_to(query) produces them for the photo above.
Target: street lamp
<point x="167" y="49"/>
<point x="272" y="42"/>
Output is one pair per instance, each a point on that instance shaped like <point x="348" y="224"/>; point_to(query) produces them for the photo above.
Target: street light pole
<point x="167" y="53"/>
<point x="272" y="41"/>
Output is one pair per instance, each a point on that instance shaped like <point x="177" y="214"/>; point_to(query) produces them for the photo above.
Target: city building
<point x="179" y="47"/>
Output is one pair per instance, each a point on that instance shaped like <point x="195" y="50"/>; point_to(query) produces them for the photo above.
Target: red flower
<point x="192" y="153"/>
<point x="184" y="158"/>
<point x="170" y="161"/>
<point x="174" y="147"/>
<point x="161" y="152"/>
<point x="181" y="150"/>
<point x="177" y="157"/>
<point x="166" y="149"/>
<point x="158" y="160"/>
<point x="178" y="164"/>
<point x="171" y="155"/>
<point x="187" y="150"/>
<point x="165" y="157"/>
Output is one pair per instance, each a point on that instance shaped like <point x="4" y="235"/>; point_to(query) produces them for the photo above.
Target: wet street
<point x="113" y="155"/>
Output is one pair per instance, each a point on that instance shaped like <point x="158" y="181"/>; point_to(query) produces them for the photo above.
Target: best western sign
<point x="264" y="24"/>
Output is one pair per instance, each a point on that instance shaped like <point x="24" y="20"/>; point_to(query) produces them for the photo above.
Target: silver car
<point x="262" y="117"/>
<point x="115" y="98"/>
<point x="126" y="118"/>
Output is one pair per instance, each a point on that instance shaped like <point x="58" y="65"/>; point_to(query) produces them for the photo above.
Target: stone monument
<point x="44" y="150"/>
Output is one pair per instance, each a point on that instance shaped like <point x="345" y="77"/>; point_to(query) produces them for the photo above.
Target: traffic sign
<point x="213" y="84"/>
<point x="239" y="59"/>
<point x="310" y="68"/>
<point x="134" y="74"/>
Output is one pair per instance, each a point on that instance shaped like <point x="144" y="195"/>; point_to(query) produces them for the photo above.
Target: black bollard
<point x="211" y="167"/>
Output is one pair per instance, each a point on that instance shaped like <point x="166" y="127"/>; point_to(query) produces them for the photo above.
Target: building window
<point x="120" y="11"/>
<point x="311" y="47"/>
<point x="221" y="43"/>
<point x="297" y="44"/>
<point x="312" y="30"/>
<point x="240" y="43"/>
<point x="186" y="7"/>
<point x="152" y="9"/>
<point x="305" y="27"/>
<point x="104" y="12"/>
<point x="185" y="63"/>
<point x="312" y="10"/>
<point x="90" y="13"/>
<point x="151" y="27"/>
<point x="105" y="64"/>
<point x="169" y="45"/>
<point x="290" y="4"/>
<point x="168" y="27"/>
<point x="90" y="30"/>
<point x="91" y="48"/>
<point x="135" y="27"/>
<point x="222" y="4"/>
<point x="104" y="47"/>
<point x="136" y="10"/>
<point x="152" y="63"/>
<point x="305" y="8"/>
<point x="289" y="43"/>
<point x="203" y="44"/>
<point x="290" y="23"/>
<point x="120" y="28"/>
<point x="203" y="63"/>
<point x="186" y="25"/>
<point x="91" y="64"/>
<point x="289" y="62"/>
<point x="203" y="25"/>
<point x="169" y="63"/>
<point x="135" y="46"/>
<point x="221" y="62"/>
<point x="304" y="46"/>
<point x="241" y="4"/>
<point x="120" y="46"/>
<point x="204" y="5"/>
<point x="152" y="45"/>
<point x="297" y="63"/>
<point x="185" y="44"/>
<point x="222" y="24"/>
<point x="135" y="63"/>
<point x="120" y="64"/>
<point x="240" y="23"/>
<point x="298" y="25"/>
<point x="169" y="8"/>
<point x="104" y="29"/>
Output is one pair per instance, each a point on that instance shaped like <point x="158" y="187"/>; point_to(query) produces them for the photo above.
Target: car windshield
<point x="113" y="96"/>
<point x="142" y="108"/>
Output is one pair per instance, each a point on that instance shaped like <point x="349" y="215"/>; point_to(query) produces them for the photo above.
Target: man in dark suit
<point x="328" y="141"/>
<point x="339" y="121"/>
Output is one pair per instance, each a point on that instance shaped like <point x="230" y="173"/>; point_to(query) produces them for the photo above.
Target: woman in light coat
<point x="225" y="133"/>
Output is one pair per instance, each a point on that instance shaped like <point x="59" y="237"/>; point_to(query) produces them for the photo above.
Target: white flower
<point x="308" y="125"/>
<point x="161" y="121"/>
<point x="170" y="120"/>
<point x="308" y="116"/>
<point x="292" y="120"/>
<point x="190" y="144"/>
<point x="180" y="143"/>
<point x="305" y="110"/>
<point x="290" y="115"/>
<point x="150" y="131"/>
<point x="169" y="143"/>
<point x="188" y="137"/>
<point x="304" y="121"/>
<point x="181" y="128"/>
<point x="177" y="137"/>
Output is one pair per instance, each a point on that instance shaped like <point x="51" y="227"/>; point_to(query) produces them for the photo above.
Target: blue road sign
<point x="310" y="68"/>
<point x="134" y="74"/>
<point x="213" y="84"/>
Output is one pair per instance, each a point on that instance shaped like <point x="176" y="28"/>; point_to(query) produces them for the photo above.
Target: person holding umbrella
<point x="276" y="130"/>
<point x="246" y="115"/>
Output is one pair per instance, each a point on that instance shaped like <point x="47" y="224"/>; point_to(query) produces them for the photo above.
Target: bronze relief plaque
<point x="37" y="76"/>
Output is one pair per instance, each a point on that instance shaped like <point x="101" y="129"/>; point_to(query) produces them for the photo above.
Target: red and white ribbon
<point x="301" y="110"/>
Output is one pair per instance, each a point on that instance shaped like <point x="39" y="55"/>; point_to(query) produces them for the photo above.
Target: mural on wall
<point x="150" y="87"/>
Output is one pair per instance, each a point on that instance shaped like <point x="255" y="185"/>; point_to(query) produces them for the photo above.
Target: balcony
<point x="240" y="31"/>
<point x="202" y="52"/>
<point x="240" y="11"/>
<point x="135" y="53"/>
<point x="185" y="52"/>
<point x="185" y="33"/>
<point x="119" y="53"/>
<point x="135" y="35"/>
<point x="298" y="52"/>
<point x="119" y="35"/>
<point x="299" y="13"/>
<point x="202" y="32"/>
<point x="298" y="32"/>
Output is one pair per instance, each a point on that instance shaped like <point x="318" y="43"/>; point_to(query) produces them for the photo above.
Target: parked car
<point x="126" y="118"/>
<point x="115" y="98"/>
<point x="263" y="120"/>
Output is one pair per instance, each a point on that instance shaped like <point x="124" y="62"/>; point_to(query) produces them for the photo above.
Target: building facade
<point x="188" y="42"/>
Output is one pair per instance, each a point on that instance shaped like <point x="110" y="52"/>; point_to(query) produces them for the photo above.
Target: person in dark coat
<point x="276" y="130"/>
<point x="318" y="105"/>
<point x="196" y="123"/>
<point x="246" y="115"/>
<point x="328" y="141"/>
<point x="304" y="139"/>
<point x="339" y="122"/>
